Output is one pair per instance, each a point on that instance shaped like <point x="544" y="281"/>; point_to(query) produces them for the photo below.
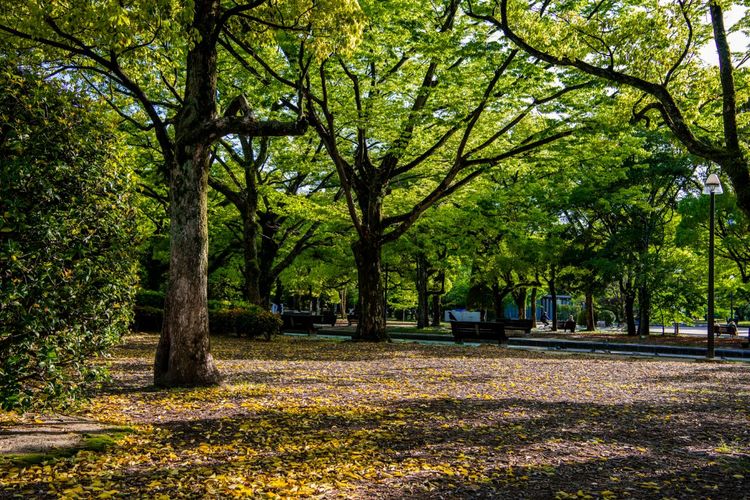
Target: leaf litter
<point x="322" y="419"/>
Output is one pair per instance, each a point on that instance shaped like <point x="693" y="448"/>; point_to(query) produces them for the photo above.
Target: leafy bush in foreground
<point x="66" y="230"/>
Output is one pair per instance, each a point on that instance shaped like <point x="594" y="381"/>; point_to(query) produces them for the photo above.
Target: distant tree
<point x="278" y="191"/>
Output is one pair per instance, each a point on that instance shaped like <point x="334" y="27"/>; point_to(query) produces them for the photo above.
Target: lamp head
<point x="713" y="185"/>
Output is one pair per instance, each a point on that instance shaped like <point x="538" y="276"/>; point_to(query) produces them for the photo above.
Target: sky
<point x="738" y="42"/>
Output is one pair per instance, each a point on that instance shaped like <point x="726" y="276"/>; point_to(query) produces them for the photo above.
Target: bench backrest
<point x="478" y="330"/>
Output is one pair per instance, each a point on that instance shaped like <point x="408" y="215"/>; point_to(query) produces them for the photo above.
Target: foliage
<point x="252" y="322"/>
<point x="66" y="237"/>
<point x="149" y="298"/>
<point x="224" y="317"/>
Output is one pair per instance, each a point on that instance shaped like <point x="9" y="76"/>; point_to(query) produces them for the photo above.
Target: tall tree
<point x="401" y="139"/>
<point x="157" y="64"/>
<point x="650" y="47"/>
<point x="273" y="188"/>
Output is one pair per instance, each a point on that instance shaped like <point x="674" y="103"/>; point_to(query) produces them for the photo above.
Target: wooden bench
<point x="303" y="322"/>
<point x="728" y="329"/>
<point x="518" y="324"/>
<point x="478" y="330"/>
<point x="329" y="318"/>
<point x="567" y="325"/>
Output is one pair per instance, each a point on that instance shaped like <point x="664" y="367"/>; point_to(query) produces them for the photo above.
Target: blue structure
<point x="511" y="311"/>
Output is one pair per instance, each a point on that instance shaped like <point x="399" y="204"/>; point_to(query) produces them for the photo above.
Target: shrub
<point x="147" y="318"/>
<point x="249" y="320"/>
<point x="607" y="316"/>
<point x="149" y="298"/>
<point x="66" y="230"/>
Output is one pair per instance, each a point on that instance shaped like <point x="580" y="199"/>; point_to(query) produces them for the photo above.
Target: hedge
<point x="229" y="319"/>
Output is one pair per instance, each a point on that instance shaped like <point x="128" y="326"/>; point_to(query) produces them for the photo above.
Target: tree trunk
<point x="497" y="302"/>
<point x="251" y="268"/>
<point x="590" y="320"/>
<point x="629" y="297"/>
<point x="534" y="292"/>
<point x="644" y="303"/>
<point x="422" y="294"/>
<point x="183" y="357"/>
<point x="436" y="309"/>
<point x="519" y="297"/>
<point x="553" y="294"/>
<point x="371" y="323"/>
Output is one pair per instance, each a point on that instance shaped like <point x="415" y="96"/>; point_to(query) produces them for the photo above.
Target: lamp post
<point x="712" y="188"/>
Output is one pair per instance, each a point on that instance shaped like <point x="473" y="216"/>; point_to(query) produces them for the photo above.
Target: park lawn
<point x="310" y="418"/>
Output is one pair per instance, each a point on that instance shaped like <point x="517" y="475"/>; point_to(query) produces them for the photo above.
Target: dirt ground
<point x="41" y="434"/>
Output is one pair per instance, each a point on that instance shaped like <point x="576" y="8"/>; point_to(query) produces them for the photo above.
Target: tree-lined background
<point x="203" y="161"/>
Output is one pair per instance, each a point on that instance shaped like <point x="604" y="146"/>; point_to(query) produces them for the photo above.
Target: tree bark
<point x="183" y="357"/>
<point x="644" y="308"/>
<point x="498" y="296"/>
<point x="534" y="292"/>
<point x="251" y="270"/>
<point x="590" y="323"/>
<point x="519" y="297"/>
<point x="371" y="322"/>
<point x="629" y="298"/>
<point x="422" y="293"/>
<point x="553" y="294"/>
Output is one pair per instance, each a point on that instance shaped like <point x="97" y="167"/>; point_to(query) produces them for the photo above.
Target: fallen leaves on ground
<point x="308" y="418"/>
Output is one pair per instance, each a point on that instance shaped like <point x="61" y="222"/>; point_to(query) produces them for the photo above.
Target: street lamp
<point x="712" y="188"/>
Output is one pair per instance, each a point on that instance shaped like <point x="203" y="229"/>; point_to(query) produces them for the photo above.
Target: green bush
<point x="607" y="316"/>
<point x="149" y="298"/>
<point x="240" y="322"/>
<point x="66" y="234"/>
<point x="147" y="319"/>
<point x="250" y="320"/>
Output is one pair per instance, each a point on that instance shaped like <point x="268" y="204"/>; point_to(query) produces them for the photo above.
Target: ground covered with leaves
<point x="311" y="418"/>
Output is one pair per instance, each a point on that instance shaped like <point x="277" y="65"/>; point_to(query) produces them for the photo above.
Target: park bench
<point x="518" y="324"/>
<point x="304" y="322"/>
<point x="329" y="318"/>
<point x="728" y="329"/>
<point x="567" y="325"/>
<point x="478" y="330"/>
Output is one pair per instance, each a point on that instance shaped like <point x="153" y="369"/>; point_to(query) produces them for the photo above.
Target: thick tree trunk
<point x="629" y="297"/>
<point x="371" y="323"/>
<point x="497" y="302"/>
<point x="519" y="297"/>
<point x="590" y="320"/>
<point x="251" y="269"/>
<point x="436" y="309"/>
<point x="534" y="292"/>
<point x="183" y="357"/>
